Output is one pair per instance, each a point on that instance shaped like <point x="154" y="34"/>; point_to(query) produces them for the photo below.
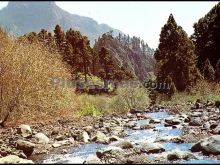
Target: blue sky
<point x="143" y="19"/>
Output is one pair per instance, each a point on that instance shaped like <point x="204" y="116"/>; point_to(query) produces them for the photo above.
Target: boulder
<point x="195" y="122"/>
<point x="114" y="138"/>
<point x="84" y="137"/>
<point x="148" y="147"/>
<point x="100" y="137"/>
<point x="210" y="145"/>
<point x="177" y="155"/>
<point x="134" y="111"/>
<point x="111" y="154"/>
<point x="13" y="159"/>
<point x="124" y="144"/>
<point x="24" y="130"/>
<point x="93" y="159"/>
<point x="147" y="126"/>
<point x="174" y="139"/>
<point x="42" y="138"/>
<point x="172" y="121"/>
<point x="25" y="146"/>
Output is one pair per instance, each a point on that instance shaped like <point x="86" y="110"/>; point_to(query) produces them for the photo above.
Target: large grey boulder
<point x="210" y="145"/>
<point x="13" y="159"/>
<point x="148" y="147"/>
<point x="177" y="155"/>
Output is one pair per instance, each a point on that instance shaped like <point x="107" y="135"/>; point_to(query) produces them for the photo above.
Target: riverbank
<point x="45" y="142"/>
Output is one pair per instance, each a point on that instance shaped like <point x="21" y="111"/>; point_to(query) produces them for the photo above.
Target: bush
<point x="89" y="109"/>
<point x="25" y="80"/>
<point x="128" y="98"/>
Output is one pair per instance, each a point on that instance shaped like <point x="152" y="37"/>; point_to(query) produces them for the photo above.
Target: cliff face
<point x="140" y="62"/>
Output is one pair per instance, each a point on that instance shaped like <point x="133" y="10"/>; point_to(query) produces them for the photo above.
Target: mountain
<point x="20" y="17"/>
<point x="130" y="52"/>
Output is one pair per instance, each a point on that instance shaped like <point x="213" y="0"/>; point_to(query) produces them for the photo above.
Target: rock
<point x="60" y="143"/>
<point x="24" y="130"/>
<point x="177" y="154"/>
<point x="148" y="147"/>
<point x="216" y="130"/>
<point x="93" y="159"/>
<point x="210" y="145"/>
<point x="134" y="111"/>
<point x="89" y="129"/>
<point x="147" y="126"/>
<point x="114" y="138"/>
<point x="196" y="114"/>
<point x="13" y="159"/>
<point x="137" y="159"/>
<point x="60" y="137"/>
<point x="55" y="131"/>
<point x="172" y="121"/>
<point x="154" y="121"/>
<point x="217" y="104"/>
<point x="124" y="144"/>
<point x="42" y="138"/>
<point x="131" y="124"/>
<point x="174" y="139"/>
<point x="111" y="154"/>
<point x="100" y="138"/>
<point x="85" y="137"/>
<point x="198" y="104"/>
<point x="206" y="125"/>
<point x="25" y="146"/>
<point x="195" y="122"/>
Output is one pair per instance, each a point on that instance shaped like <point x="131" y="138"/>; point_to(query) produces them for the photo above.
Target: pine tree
<point x="208" y="71"/>
<point x="59" y="36"/>
<point x="217" y="71"/>
<point x="206" y="37"/>
<point x="175" y="56"/>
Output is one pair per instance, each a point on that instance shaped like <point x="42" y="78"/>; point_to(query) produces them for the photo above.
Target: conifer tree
<point x="208" y="71"/>
<point x="175" y="56"/>
<point x="217" y="71"/>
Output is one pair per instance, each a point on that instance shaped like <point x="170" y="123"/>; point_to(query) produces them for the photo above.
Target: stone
<point x="172" y="121"/>
<point x="210" y="145"/>
<point x="154" y="121"/>
<point x="42" y="138"/>
<point x="174" y="139"/>
<point x="195" y="122"/>
<point x="93" y="159"/>
<point x="134" y="111"/>
<point x="13" y="159"/>
<point x="84" y="137"/>
<point x="148" y="147"/>
<point x="114" y="138"/>
<point x="177" y="155"/>
<point x="100" y="137"/>
<point x="24" y="130"/>
<point x="25" y="146"/>
<point x="147" y="126"/>
<point x="124" y="144"/>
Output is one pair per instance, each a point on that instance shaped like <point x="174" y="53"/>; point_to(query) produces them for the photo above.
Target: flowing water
<point x="81" y="153"/>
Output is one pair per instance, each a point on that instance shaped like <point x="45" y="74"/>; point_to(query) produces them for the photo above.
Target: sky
<point x="142" y="19"/>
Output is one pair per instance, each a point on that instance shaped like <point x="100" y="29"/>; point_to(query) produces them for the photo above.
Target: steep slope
<point x="129" y="54"/>
<point x="22" y="17"/>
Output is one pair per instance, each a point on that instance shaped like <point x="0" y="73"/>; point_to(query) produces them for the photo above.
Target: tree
<point x="208" y="71"/>
<point x="217" y="71"/>
<point x="59" y="36"/>
<point x="206" y="37"/>
<point x="175" y="56"/>
<point x="106" y="62"/>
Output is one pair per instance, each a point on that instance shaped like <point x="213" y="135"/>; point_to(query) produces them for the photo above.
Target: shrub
<point x="89" y="109"/>
<point x="25" y="80"/>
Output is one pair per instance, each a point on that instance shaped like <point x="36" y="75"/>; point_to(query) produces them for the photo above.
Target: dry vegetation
<point x="205" y="91"/>
<point x="25" y="81"/>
